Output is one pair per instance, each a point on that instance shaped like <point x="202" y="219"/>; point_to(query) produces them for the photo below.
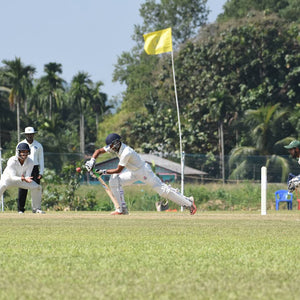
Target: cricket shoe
<point x="125" y="210"/>
<point x="193" y="207"/>
<point x="21" y="212"/>
<point x="38" y="211"/>
<point x="116" y="212"/>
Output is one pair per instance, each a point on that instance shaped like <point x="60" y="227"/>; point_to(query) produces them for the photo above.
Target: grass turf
<point x="150" y="255"/>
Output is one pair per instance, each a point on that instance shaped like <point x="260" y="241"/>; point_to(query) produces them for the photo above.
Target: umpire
<point x="37" y="155"/>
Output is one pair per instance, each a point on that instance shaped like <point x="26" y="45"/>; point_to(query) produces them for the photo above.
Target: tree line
<point x="237" y="82"/>
<point x="67" y="114"/>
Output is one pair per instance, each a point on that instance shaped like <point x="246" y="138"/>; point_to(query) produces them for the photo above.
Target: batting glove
<point x="90" y="164"/>
<point x="101" y="172"/>
<point x="92" y="174"/>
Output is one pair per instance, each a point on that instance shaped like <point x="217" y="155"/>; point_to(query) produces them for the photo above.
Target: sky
<point x="82" y="35"/>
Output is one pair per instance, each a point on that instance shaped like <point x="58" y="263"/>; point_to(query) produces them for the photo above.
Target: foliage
<point x="48" y="107"/>
<point x="288" y="9"/>
<point x="50" y="89"/>
<point x="228" y="197"/>
<point x="7" y="119"/>
<point x="248" y="60"/>
<point x="264" y="121"/>
<point x="230" y="64"/>
<point x="66" y="199"/>
<point x="18" y="83"/>
<point x="74" y="196"/>
<point x="19" y="79"/>
<point x="52" y="197"/>
<point x="185" y="18"/>
<point x="227" y="70"/>
<point x="137" y="69"/>
<point x="291" y="12"/>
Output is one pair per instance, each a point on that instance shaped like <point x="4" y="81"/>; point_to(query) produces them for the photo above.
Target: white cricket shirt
<point x="15" y="170"/>
<point x="128" y="157"/>
<point x="36" y="154"/>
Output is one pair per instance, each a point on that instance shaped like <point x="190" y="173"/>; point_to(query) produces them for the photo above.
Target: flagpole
<point x="179" y="125"/>
<point x="158" y="42"/>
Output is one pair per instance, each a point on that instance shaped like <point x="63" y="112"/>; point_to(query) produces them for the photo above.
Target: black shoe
<point x="125" y="210"/>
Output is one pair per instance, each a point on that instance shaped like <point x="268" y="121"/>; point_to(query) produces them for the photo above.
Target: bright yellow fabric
<point x="158" y="41"/>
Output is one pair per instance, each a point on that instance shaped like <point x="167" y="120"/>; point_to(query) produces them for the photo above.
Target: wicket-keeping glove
<point x="294" y="183"/>
<point x="90" y="164"/>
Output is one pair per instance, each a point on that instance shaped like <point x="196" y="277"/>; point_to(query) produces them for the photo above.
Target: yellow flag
<point x="158" y="41"/>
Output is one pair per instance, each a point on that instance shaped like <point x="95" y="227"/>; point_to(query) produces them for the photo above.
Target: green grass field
<point x="150" y="255"/>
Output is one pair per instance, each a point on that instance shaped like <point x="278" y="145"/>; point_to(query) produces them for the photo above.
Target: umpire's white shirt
<point x="36" y="154"/>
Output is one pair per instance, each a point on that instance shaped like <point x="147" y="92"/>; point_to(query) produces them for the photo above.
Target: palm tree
<point x="19" y="82"/>
<point x="51" y="86"/>
<point x="262" y="124"/>
<point x="98" y="102"/>
<point x="221" y="110"/>
<point x="80" y="96"/>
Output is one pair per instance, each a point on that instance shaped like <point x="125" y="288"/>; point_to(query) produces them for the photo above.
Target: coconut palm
<point x="19" y="83"/>
<point x="262" y="128"/>
<point x="221" y="110"/>
<point x="80" y="97"/>
<point x="98" y="101"/>
<point x="51" y="87"/>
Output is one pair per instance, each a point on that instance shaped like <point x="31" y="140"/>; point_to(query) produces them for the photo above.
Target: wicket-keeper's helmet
<point x="22" y="147"/>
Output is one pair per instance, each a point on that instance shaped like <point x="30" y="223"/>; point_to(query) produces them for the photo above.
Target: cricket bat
<point x="107" y="189"/>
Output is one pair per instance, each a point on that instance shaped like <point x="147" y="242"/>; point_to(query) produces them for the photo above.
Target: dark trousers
<point x="23" y="192"/>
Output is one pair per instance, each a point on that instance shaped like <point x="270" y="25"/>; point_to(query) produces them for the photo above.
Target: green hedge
<point x="208" y="197"/>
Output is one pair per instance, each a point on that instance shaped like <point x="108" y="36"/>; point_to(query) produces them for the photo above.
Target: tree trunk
<point x="25" y="107"/>
<point x="221" y="142"/>
<point x="50" y="107"/>
<point x="97" y="124"/>
<point x="236" y="138"/>
<point x="81" y="130"/>
<point x="18" y="119"/>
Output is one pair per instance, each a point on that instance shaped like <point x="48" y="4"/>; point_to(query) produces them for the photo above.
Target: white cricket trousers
<point x="146" y="175"/>
<point x="36" y="189"/>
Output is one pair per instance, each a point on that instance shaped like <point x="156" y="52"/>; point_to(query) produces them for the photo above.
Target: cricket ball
<point x="78" y="170"/>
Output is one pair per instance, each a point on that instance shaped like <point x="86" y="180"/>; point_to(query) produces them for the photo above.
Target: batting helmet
<point x="111" y="138"/>
<point x="114" y="141"/>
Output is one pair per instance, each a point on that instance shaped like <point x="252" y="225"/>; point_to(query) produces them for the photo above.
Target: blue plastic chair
<point x="284" y="196"/>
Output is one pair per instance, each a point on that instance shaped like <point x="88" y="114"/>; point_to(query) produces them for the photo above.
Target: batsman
<point x="131" y="168"/>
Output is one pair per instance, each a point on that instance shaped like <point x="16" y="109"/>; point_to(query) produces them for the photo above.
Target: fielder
<point x="18" y="173"/>
<point x="37" y="155"/>
<point x="294" y="150"/>
<point x="136" y="169"/>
